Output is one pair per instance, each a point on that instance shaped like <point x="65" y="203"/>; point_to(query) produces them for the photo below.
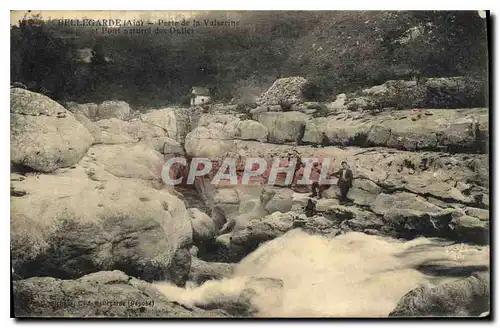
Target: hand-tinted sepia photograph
<point x="249" y="164"/>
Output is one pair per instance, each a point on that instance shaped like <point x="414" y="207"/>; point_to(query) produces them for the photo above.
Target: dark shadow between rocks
<point x="450" y="271"/>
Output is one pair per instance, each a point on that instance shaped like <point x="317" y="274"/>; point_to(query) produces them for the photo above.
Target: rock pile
<point x="286" y="90"/>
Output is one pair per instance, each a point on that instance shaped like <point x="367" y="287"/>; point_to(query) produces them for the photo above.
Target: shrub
<point x="313" y="91"/>
<point x="285" y="106"/>
<point x="186" y="101"/>
<point x="241" y="108"/>
<point x="457" y="92"/>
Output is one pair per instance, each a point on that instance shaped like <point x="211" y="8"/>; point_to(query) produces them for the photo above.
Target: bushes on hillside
<point x="450" y="92"/>
<point x="338" y="52"/>
<point x="314" y="91"/>
<point x="458" y="92"/>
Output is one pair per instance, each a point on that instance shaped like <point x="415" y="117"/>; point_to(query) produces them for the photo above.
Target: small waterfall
<point x="352" y="275"/>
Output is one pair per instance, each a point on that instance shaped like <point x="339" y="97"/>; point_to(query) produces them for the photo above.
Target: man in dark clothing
<point x="310" y="209"/>
<point x="315" y="176"/>
<point x="344" y="182"/>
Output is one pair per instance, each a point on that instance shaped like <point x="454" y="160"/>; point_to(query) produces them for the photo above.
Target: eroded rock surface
<point x="81" y="220"/>
<point x="98" y="295"/>
<point x="44" y="135"/>
<point x="462" y="298"/>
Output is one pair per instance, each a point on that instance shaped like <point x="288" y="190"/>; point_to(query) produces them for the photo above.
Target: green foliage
<point x="39" y="59"/>
<point x="241" y="108"/>
<point x="402" y="96"/>
<point x="314" y="91"/>
<point x="468" y="92"/>
<point x="185" y="101"/>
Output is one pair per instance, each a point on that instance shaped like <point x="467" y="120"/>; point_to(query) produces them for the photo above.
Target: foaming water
<point x="353" y="275"/>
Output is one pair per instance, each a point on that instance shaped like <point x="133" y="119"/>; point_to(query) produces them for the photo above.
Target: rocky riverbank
<point x="89" y="206"/>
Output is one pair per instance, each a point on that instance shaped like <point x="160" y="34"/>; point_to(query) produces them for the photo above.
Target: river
<point x="352" y="275"/>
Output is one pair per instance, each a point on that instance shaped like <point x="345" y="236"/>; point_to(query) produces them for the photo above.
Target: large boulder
<point x="242" y="242"/>
<point x="333" y="131"/>
<point x="167" y="120"/>
<point x="448" y="223"/>
<point x="448" y="130"/>
<point x="362" y="221"/>
<point x="239" y="296"/>
<point x="107" y="109"/>
<point x="221" y="126"/>
<point x="284" y="127"/>
<point x="89" y="110"/>
<point x="98" y="295"/>
<point x="483" y="215"/>
<point x="385" y="203"/>
<point x="278" y="204"/>
<point x="223" y="201"/>
<point x="246" y="208"/>
<point x="91" y="126"/>
<point x="339" y="105"/>
<point x="252" y="297"/>
<point x="285" y="90"/>
<point x="280" y="199"/>
<point x="233" y="126"/>
<point x="320" y="225"/>
<point x="411" y="223"/>
<point x="439" y="131"/>
<point x="81" y="220"/>
<point x="44" y="135"/>
<point x="204" y="228"/>
<point x="427" y="185"/>
<point x="203" y="142"/>
<point x="348" y="218"/>
<point x="128" y="160"/>
<point x="226" y="120"/>
<point x="113" y="108"/>
<point x="115" y="131"/>
<point x="471" y="229"/>
<point x="363" y="192"/>
<point x="252" y="130"/>
<point x="202" y="271"/>
<point x="461" y="298"/>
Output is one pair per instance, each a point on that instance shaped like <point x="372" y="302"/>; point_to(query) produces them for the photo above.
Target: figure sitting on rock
<point x="310" y="209"/>
<point x="344" y="182"/>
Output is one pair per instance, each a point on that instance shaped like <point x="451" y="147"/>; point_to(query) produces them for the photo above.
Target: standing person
<point x="310" y="209"/>
<point x="316" y="188"/>
<point x="299" y="173"/>
<point x="344" y="182"/>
